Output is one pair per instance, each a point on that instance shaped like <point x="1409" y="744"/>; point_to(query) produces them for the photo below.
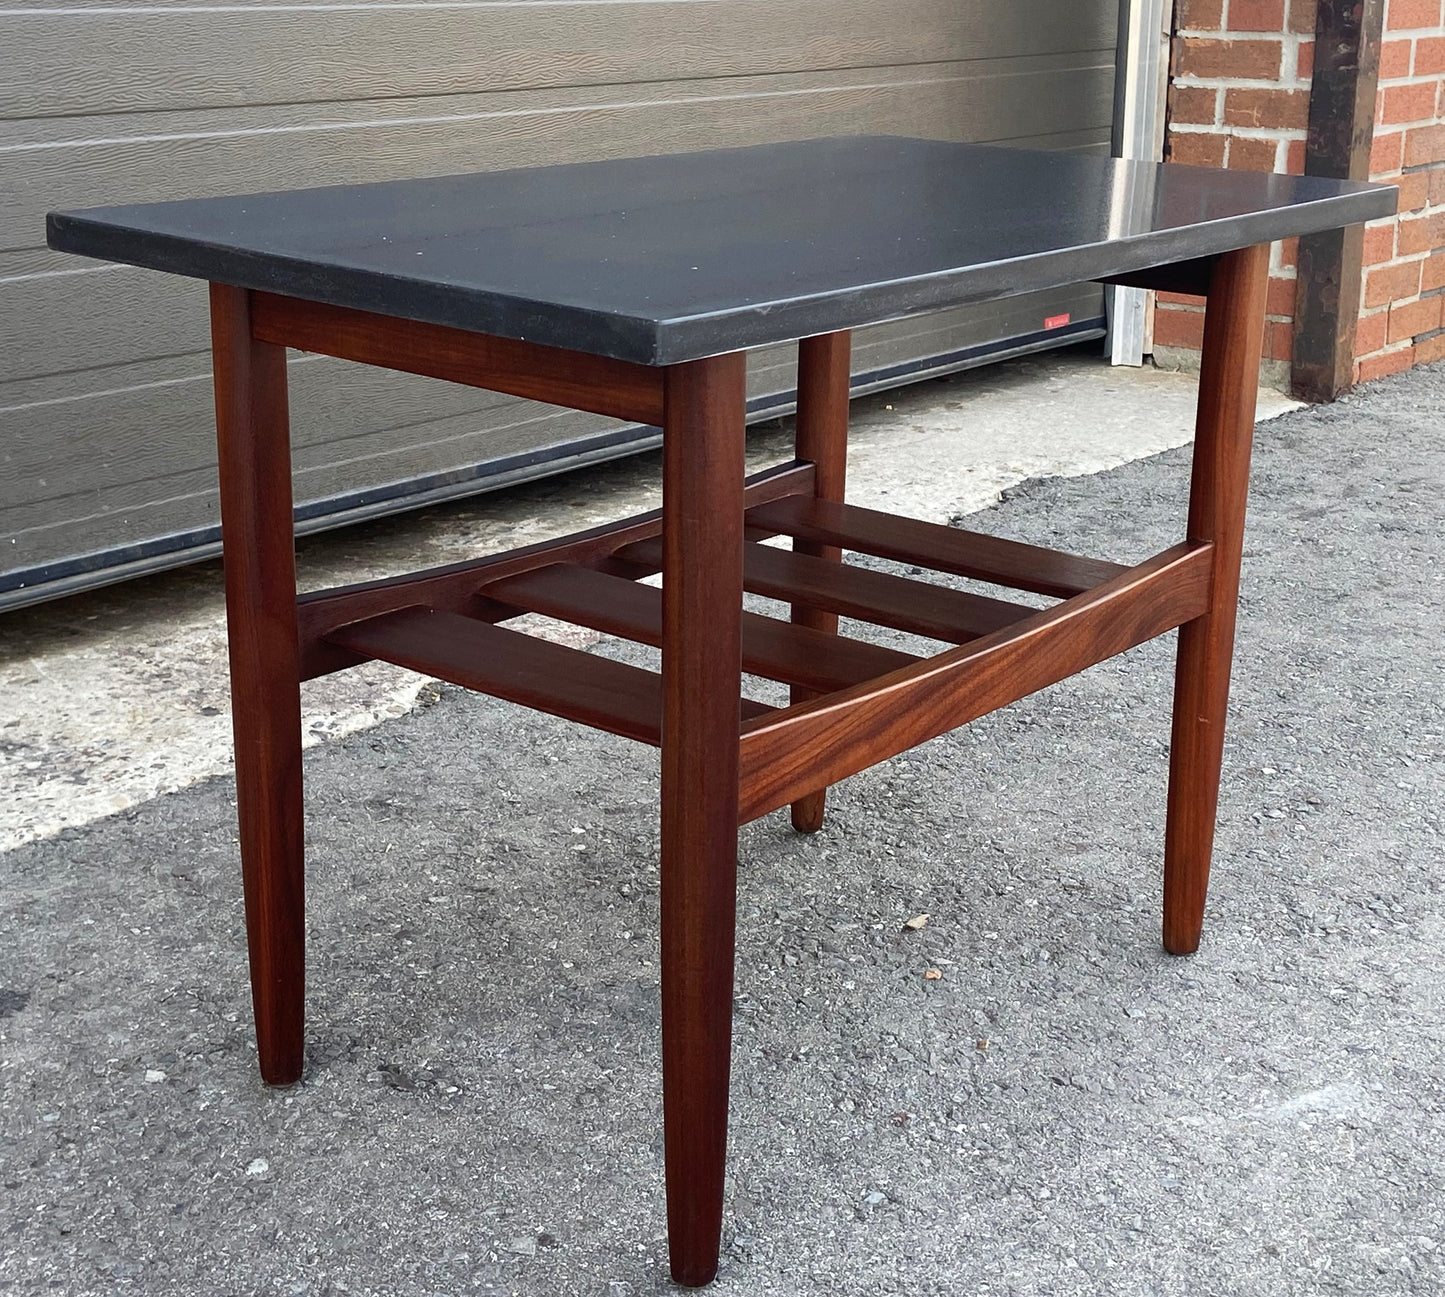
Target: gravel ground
<point x="1066" y="1110"/>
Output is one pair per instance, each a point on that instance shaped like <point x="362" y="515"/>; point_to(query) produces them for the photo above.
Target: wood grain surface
<point x="942" y="549"/>
<point x="702" y="537"/>
<point x="454" y="586"/>
<point x="918" y="607"/>
<point x="843" y="733"/>
<point x="773" y="649"/>
<point x="548" y="374"/>
<point x="536" y="673"/>
<point x="1224" y="434"/>
<point x="255" y="463"/>
<point x="821" y="438"/>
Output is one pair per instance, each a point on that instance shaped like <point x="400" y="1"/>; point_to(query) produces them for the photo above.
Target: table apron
<point x="619" y="389"/>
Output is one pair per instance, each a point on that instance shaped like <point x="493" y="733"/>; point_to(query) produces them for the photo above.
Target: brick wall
<point x="1239" y="98"/>
<point x="1400" y="318"/>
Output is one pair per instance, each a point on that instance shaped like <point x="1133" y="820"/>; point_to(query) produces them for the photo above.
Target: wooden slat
<point x="798" y="748"/>
<point x="943" y="549"/>
<point x="616" y="388"/>
<point x="773" y="649"/>
<point x="552" y="678"/>
<point x="454" y="586"/>
<point x="954" y="616"/>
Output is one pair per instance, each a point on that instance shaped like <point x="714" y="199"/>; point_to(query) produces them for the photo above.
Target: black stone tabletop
<point x="671" y="258"/>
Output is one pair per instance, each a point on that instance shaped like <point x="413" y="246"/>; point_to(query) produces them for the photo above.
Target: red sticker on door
<point x="1056" y="321"/>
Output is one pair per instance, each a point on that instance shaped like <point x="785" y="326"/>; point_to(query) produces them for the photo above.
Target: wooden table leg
<point x="253" y="437"/>
<point x="702" y="531"/>
<point x="822" y="438"/>
<point x="1228" y="383"/>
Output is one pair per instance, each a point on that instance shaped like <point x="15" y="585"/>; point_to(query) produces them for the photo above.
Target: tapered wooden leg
<point x="255" y="460"/>
<point x="822" y="437"/>
<point x="702" y="533"/>
<point x="1228" y="383"/>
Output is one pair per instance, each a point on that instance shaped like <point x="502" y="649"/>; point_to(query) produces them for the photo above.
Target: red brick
<point x="1388" y="284"/>
<point x="1281" y="109"/>
<point x="1305" y="67"/>
<point x="1414" y="103"/>
<point x="1423" y="145"/>
<point x="1432" y="275"/>
<point x="1280" y="299"/>
<point x="1252" y="155"/>
<point x="1294" y="157"/>
<point x="1179" y="299"/>
<point x="1429" y="56"/>
<point x="1256" y="15"/>
<point x="1386" y="152"/>
<point x="1388" y="362"/>
<point x="1370" y="333"/>
<point x="1302" y="15"/>
<point x="1405" y="15"/>
<point x="1437" y="184"/>
<point x="1379" y="243"/>
<point x="1414" y="190"/>
<point x="1288" y="252"/>
<point x="1395" y="59"/>
<point x="1201" y="15"/>
<point x="1194" y="105"/>
<point x="1176" y="328"/>
<point x="1197" y="148"/>
<point x="1411" y="318"/>
<point x="1420" y="234"/>
<point x="1199" y="56"/>
<point x="1429" y="350"/>
<point x="1279" y="339"/>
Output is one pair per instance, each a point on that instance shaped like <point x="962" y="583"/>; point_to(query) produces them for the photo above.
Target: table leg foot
<point x="808" y="811"/>
<point x="1195" y="759"/>
<point x="254" y="446"/>
<point x="1228" y="384"/>
<point x="702" y="529"/>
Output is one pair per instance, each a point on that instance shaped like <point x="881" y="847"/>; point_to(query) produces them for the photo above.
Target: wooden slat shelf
<point x="776" y="650"/>
<point x="454" y="586"/>
<point x="552" y="678"/>
<point x="862" y="702"/>
<point x="792" y="750"/>
<point x="936" y="612"/>
<point x="929" y="545"/>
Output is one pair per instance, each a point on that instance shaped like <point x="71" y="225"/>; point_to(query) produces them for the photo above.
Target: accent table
<point x="633" y="288"/>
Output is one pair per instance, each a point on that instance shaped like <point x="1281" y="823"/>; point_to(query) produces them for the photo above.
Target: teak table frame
<point x="725" y="759"/>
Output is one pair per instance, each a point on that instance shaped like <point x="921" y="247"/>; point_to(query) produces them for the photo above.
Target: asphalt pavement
<point x="1064" y="1110"/>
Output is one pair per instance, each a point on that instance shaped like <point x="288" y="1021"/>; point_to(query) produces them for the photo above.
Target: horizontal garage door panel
<point x="106" y="439"/>
<point x="286" y="147"/>
<point x="155" y="477"/>
<point x="89" y="61"/>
